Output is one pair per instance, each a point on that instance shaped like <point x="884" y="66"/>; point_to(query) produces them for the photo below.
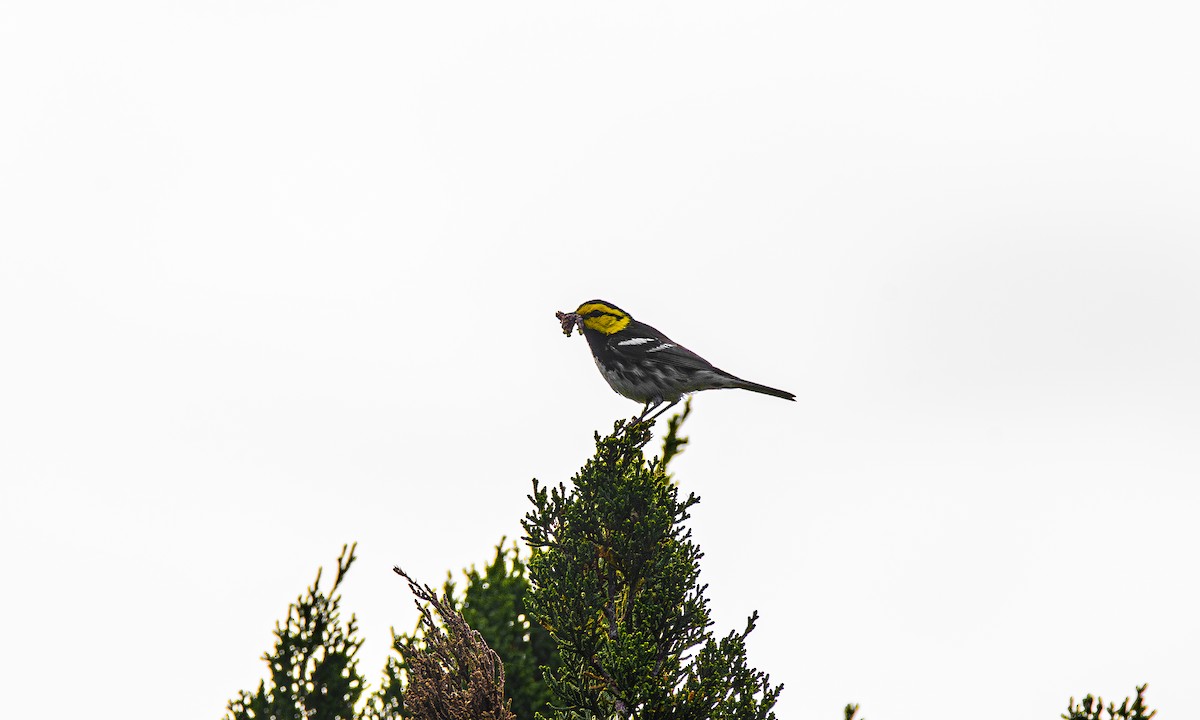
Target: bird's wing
<point x="642" y="342"/>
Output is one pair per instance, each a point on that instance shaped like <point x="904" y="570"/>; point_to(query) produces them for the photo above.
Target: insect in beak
<point x="569" y="321"/>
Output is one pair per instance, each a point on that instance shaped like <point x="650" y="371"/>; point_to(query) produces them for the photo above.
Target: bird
<point x="643" y="364"/>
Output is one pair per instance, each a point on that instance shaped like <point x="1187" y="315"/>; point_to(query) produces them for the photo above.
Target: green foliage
<point x="673" y="443"/>
<point x="1093" y="708"/>
<point x="314" y="673"/>
<point x="616" y="582"/>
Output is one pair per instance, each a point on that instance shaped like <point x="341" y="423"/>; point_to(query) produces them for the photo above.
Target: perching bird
<point x="645" y="365"/>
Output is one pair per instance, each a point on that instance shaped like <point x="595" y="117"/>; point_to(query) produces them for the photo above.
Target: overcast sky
<point x="278" y="276"/>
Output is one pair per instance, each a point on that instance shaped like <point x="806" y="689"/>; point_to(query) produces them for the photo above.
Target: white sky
<point x="277" y="276"/>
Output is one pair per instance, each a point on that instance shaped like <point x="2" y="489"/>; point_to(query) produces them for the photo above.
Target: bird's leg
<point x="660" y="412"/>
<point x="650" y="405"/>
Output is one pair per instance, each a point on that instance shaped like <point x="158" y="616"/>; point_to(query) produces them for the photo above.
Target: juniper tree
<point x="314" y="673"/>
<point x="1092" y="708"/>
<point x="616" y="582"/>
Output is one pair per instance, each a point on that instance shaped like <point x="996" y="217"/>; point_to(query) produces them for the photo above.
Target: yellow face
<point x="603" y="318"/>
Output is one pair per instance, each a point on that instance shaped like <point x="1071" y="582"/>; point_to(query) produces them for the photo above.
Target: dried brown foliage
<point x="455" y="676"/>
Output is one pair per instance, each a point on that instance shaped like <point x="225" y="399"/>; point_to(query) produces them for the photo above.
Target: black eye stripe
<point x="598" y="313"/>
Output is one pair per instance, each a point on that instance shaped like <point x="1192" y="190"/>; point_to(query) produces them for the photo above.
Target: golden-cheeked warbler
<point x="645" y="365"/>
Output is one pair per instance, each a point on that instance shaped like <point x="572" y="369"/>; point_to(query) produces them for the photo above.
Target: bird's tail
<point x="755" y="387"/>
